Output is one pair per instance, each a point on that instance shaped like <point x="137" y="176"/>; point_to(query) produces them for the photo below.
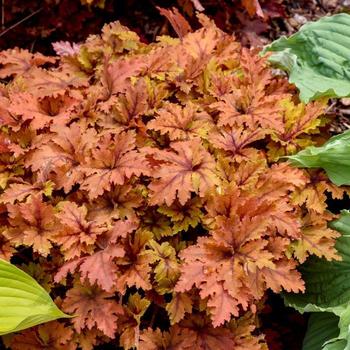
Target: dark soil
<point x="284" y="328"/>
<point x="35" y="24"/>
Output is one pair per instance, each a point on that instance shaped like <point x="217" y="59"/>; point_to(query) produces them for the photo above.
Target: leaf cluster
<point x="141" y="182"/>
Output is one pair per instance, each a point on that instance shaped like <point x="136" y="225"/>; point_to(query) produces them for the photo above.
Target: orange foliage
<point x="148" y="178"/>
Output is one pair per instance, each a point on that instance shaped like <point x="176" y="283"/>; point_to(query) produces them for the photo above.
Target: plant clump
<point x="142" y="187"/>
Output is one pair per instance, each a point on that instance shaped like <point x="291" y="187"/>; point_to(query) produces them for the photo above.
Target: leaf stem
<point x="19" y="22"/>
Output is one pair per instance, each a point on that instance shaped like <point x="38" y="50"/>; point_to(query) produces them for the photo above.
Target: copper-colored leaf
<point x="113" y="161"/>
<point x="32" y="223"/>
<point x="178" y="306"/>
<point x="54" y="333"/>
<point x="19" y="61"/>
<point x="93" y="308"/>
<point x="178" y="22"/>
<point x="188" y="168"/>
<point x="253" y="8"/>
<point x="77" y="235"/>
<point x="181" y="123"/>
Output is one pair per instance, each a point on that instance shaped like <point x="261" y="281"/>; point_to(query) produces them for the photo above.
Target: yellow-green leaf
<point x="23" y="302"/>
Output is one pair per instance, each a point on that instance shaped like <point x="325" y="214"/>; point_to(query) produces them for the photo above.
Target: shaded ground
<point x="34" y="24"/>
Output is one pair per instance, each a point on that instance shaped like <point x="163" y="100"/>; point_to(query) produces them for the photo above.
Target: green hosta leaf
<point x="23" y="302"/>
<point x="327" y="282"/>
<point x="317" y="57"/>
<point x="333" y="157"/>
<point x="327" y="331"/>
<point x="321" y="328"/>
<point x="327" y="291"/>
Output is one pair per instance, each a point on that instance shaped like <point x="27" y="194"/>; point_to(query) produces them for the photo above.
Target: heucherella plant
<point x="143" y="183"/>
